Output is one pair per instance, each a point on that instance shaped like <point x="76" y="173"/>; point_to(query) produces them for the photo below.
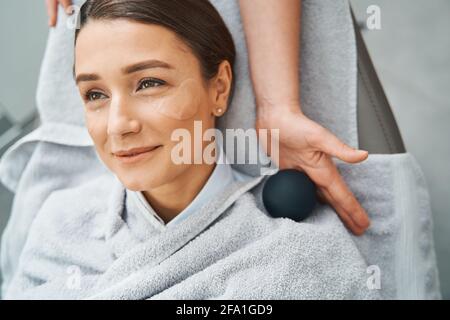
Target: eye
<point x="94" y="95"/>
<point x="149" y="83"/>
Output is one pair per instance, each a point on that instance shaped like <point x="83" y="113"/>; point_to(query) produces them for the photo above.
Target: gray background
<point x="411" y="54"/>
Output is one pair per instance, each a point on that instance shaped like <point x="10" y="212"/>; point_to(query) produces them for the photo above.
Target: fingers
<point x="342" y="197"/>
<point x="348" y="222"/>
<point x="52" y="9"/>
<point x="332" y="188"/>
<point x="66" y="4"/>
<point x="330" y="144"/>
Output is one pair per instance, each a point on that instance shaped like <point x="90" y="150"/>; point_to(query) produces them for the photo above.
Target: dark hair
<point x="196" y="22"/>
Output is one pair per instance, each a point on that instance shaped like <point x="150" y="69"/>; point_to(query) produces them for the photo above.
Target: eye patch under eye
<point x="182" y="104"/>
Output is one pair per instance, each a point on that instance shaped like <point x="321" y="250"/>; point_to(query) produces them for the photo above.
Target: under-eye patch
<point x="181" y="104"/>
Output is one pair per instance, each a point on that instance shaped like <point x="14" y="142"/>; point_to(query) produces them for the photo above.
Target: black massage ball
<point x="289" y="194"/>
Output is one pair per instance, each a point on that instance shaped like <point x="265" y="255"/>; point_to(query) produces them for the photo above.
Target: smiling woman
<point x="154" y="228"/>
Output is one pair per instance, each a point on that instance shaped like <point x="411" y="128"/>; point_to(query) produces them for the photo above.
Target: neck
<point x="172" y="198"/>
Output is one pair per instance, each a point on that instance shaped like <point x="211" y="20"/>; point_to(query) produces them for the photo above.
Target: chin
<point x="147" y="177"/>
<point x="137" y="181"/>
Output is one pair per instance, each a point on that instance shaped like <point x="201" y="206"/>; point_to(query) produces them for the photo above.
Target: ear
<point x="220" y="88"/>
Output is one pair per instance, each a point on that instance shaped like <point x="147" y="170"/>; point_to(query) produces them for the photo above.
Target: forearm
<point x="272" y="31"/>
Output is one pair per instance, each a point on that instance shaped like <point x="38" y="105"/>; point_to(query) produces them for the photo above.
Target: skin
<point x="52" y="10"/>
<point x="304" y="144"/>
<point x="120" y="113"/>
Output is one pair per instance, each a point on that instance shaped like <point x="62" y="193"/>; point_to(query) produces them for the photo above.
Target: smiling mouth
<point x="135" y="155"/>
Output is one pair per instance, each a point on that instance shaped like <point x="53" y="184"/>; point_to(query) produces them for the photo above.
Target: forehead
<point x="107" y="43"/>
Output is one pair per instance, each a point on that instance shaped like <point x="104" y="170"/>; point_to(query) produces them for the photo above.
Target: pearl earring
<point x="219" y="110"/>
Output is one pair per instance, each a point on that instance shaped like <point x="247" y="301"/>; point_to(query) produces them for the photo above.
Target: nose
<point x="120" y="119"/>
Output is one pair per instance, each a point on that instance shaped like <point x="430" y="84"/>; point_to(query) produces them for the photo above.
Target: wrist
<point x="269" y="111"/>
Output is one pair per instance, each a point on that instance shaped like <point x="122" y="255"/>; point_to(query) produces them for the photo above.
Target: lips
<point x="133" y="156"/>
<point x="134" y="152"/>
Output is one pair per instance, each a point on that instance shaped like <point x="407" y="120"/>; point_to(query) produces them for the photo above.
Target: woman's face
<point x="139" y="83"/>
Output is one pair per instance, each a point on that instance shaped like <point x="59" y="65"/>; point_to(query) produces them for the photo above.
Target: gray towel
<point x="392" y="188"/>
<point x="82" y="247"/>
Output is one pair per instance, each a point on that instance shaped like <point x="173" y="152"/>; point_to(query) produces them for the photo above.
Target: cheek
<point x="96" y="124"/>
<point x="183" y="103"/>
<point x="163" y="118"/>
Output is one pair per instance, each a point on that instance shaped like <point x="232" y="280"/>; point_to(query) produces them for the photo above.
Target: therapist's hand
<point x="307" y="146"/>
<point x="52" y="9"/>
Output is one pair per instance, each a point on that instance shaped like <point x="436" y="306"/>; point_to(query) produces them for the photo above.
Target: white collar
<point x="222" y="175"/>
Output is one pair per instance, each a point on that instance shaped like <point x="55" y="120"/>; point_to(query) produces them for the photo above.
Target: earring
<point x="219" y="110"/>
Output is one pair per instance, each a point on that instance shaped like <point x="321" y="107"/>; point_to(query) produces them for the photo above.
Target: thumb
<point x="331" y="145"/>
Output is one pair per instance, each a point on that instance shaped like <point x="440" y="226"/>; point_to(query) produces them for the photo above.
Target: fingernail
<point x="363" y="223"/>
<point x="363" y="153"/>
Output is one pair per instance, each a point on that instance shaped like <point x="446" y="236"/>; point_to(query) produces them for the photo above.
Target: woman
<point x="144" y="70"/>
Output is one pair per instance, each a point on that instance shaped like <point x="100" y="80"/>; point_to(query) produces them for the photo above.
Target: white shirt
<point x="222" y="175"/>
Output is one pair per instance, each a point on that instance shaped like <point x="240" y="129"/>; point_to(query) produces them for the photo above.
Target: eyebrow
<point x="149" y="64"/>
